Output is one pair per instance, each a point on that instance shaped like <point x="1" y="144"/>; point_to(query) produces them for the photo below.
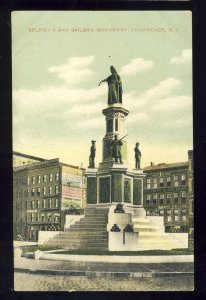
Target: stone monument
<point x="115" y="219"/>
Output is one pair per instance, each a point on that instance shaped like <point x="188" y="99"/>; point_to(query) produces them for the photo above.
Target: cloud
<point x="184" y="58"/>
<point x="173" y="103"/>
<point x="138" y="117"/>
<point x="50" y="98"/>
<point x="85" y="109"/>
<point x="163" y="89"/>
<point x="75" y="71"/>
<point x="136" y="65"/>
<point x="180" y="123"/>
<point x="91" y="123"/>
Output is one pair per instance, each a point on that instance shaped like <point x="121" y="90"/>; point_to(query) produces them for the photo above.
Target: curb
<point x="99" y="274"/>
<point x="118" y="259"/>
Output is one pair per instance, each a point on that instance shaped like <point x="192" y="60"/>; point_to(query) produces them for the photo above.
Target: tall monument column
<point x="113" y="182"/>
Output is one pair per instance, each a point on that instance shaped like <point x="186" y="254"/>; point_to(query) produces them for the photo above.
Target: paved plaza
<point x="45" y="275"/>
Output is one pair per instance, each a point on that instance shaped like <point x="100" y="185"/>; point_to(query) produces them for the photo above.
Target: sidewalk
<point x="102" y="269"/>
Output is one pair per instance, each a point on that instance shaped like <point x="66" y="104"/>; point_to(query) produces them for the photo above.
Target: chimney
<point x="152" y="164"/>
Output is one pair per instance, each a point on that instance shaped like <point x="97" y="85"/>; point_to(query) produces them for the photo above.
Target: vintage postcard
<point x="102" y="151"/>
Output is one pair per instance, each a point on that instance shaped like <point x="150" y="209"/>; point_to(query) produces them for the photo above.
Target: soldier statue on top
<point x="137" y="156"/>
<point x="92" y="155"/>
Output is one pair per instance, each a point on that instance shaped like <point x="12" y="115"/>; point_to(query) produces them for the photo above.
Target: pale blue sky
<point x="57" y="103"/>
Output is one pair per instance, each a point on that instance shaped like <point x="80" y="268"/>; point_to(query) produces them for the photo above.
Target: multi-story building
<point x="168" y="192"/>
<point x="42" y="194"/>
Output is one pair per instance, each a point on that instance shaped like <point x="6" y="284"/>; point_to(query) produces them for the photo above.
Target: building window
<point x="44" y="203"/>
<point x="56" y="189"/>
<point x="154" y="199"/>
<point x="176" y="218"/>
<point x="161" y="201"/>
<point x="176" y="201"/>
<point x="168" y="198"/>
<point x="38" y="191"/>
<point x="49" y="218"/>
<point x="183" y="177"/>
<point x="176" y="183"/>
<point x="176" y="196"/>
<point x="183" y="197"/>
<point x="28" y="180"/>
<point x="56" y="218"/>
<point x="161" y="212"/>
<point x="38" y="203"/>
<point x="57" y="176"/>
<point x="176" y="178"/>
<point x="184" y="218"/>
<point x="38" y="179"/>
<point x="56" y="203"/>
<point x="50" y="190"/>
<point x="184" y="211"/>
<point x="44" y="178"/>
<point x="33" y="217"/>
<point x="49" y="203"/>
<point x="161" y="182"/>
<point x="168" y="181"/>
<point x="176" y="211"/>
<point x="168" y="211"/>
<point x="148" y="183"/>
<point x="32" y="192"/>
<point x="33" y="179"/>
<point x="50" y="177"/>
<point x="32" y="204"/>
<point x="37" y="217"/>
<point x="169" y="218"/>
<point x="42" y="217"/>
<point x="155" y="183"/>
<point x="44" y="190"/>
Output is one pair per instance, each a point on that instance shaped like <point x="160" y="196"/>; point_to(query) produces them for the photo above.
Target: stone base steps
<point x="89" y="233"/>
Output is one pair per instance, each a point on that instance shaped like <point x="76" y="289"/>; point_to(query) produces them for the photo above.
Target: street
<point x="33" y="282"/>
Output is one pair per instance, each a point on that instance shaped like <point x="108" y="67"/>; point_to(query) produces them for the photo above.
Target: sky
<point x="58" y="60"/>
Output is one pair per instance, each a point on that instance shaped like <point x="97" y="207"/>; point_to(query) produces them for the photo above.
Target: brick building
<point x="168" y="191"/>
<point x="42" y="194"/>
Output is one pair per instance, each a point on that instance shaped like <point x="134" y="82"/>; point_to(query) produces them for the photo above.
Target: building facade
<point x="43" y="192"/>
<point x="168" y="192"/>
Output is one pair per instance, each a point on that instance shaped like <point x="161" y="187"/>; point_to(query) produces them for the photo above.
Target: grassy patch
<point x="130" y="253"/>
<point x="37" y="247"/>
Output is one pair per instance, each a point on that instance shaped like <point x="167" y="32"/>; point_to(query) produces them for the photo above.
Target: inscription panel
<point x="91" y="190"/>
<point x="104" y="190"/>
<point x="137" y="192"/>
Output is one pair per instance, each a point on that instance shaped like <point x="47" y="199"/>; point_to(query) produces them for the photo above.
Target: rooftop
<point x="163" y="166"/>
<point x="28" y="156"/>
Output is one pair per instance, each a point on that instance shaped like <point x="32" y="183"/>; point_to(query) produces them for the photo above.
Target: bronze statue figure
<point x="114" y="87"/>
<point x="92" y="155"/>
<point x="137" y="156"/>
<point x="116" y="149"/>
